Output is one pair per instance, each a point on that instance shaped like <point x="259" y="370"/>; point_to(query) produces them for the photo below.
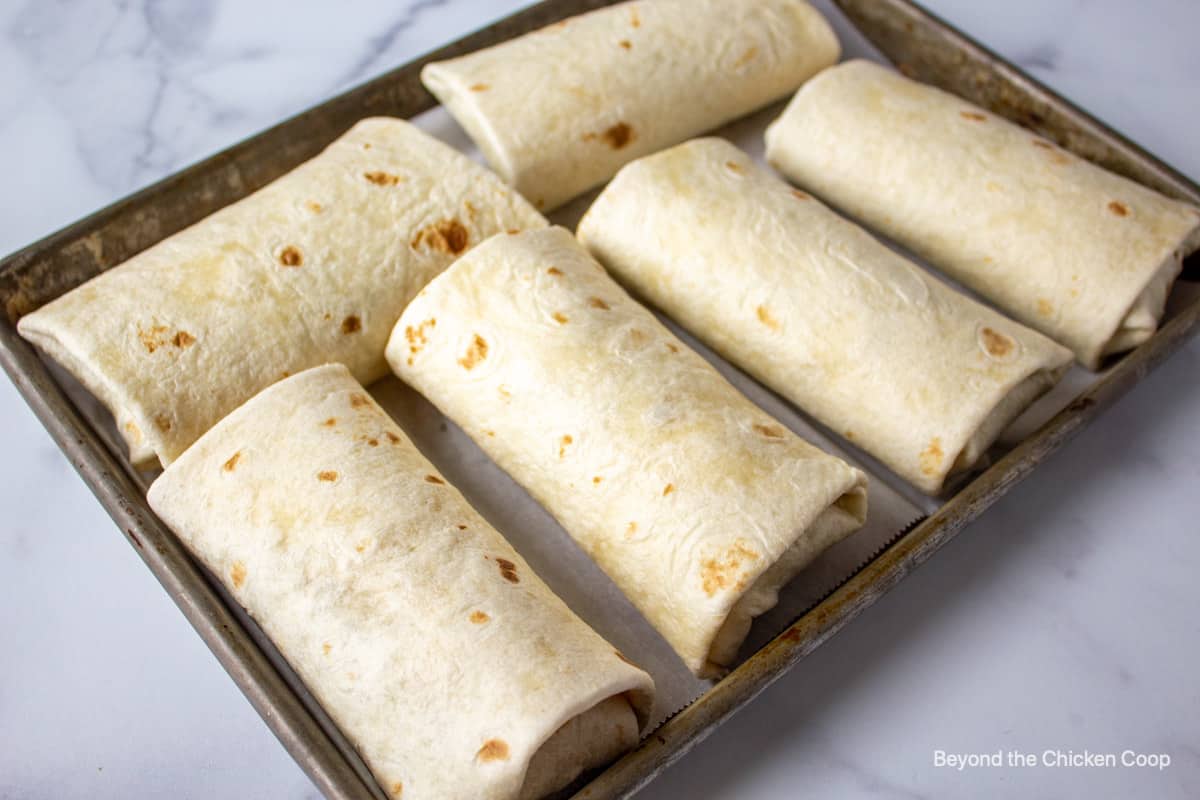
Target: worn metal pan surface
<point x="918" y="43"/>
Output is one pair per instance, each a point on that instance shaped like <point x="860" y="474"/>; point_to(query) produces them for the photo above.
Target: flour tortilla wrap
<point x="440" y="654"/>
<point x="559" y="110"/>
<point x="812" y="305"/>
<point x="695" y="502"/>
<point x="1085" y="256"/>
<point x="313" y="268"/>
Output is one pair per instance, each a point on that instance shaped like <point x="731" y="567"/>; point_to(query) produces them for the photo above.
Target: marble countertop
<point x="1064" y="620"/>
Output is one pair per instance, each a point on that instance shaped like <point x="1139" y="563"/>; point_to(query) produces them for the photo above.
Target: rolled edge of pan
<point x="877" y="350"/>
<point x="1079" y="253"/>
<point x="559" y="110"/>
<point x="315" y="267"/>
<point x="447" y="662"/>
<point x="693" y="500"/>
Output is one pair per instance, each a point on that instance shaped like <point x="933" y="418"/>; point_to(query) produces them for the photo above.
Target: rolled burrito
<point x="451" y="667"/>
<point x="812" y="305"/>
<point x="313" y="268"/>
<point x="558" y="111"/>
<point x="1081" y="254"/>
<point x="695" y="502"/>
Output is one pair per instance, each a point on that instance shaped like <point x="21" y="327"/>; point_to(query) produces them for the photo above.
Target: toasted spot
<point x="391" y="437"/>
<point x="995" y="343"/>
<point x="560" y="317"/>
<point x="382" y="178"/>
<point x="849" y="435"/>
<point x="135" y="433"/>
<point x="314" y="206"/>
<point x="1044" y="307"/>
<point x="973" y="115"/>
<point x="596" y="302"/>
<point x="479" y="617"/>
<point x="373" y="442"/>
<point x="397" y="789"/>
<point x="597" y="479"/>
<point x="291" y="256"/>
<point x="461" y="527"/>
<point x="237" y="574"/>
<point x="447" y="236"/>
<point x="508" y="570"/>
<point x="618" y="135"/>
<point x="327" y="475"/>
<point x="630" y="530"/>
<point x="475" y="353"/>
<point x="764" y="316"/>
<point x="625" y="43"/>
<point x="183" y="339"/>
<point x="799" y="195"/>
<point x="152" y="337"/>
<point x="1118" y="208"/>
<point x="634" y="19"/>
<point x="770" y="431"/>
<point x="931" y="457"/>
<point x="490" y="433"/>
<point x="670" y="487"/>
<point x="163" y="423"/>
<point x="417" y="338"/>
<point x="746" y="58"/>
<point x="361" y="546"/>
<point x="724" y="571"/>
<point x="326" y="647"/>
<point x="621" y="656"/>
<point x="562" y="445"/>
<point x="554" y="271"/>
<point x="329" y="423"/>
<point x="733" y="166"/>
<point x="366" y="146"/>
<point x="434" y="479"/>
<point x="672" y="347"/>
<point x="493" y="750"/>
<point x="479" y="87"/>
<point x="231" y="464"/>
<point x="351" y="324"/>
<point x="358" y="400"/>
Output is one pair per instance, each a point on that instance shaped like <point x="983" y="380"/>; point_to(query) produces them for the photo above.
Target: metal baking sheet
<point x="843" y="582"/>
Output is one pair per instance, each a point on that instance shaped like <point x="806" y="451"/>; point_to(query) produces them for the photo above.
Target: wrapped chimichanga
<point x="313" y="268"/>
<point x="695" y="502"/>
<point x="451" y="667"/>
<point x="916" y="374"/>
<point x="558" y="111"/>
<point x="1079" y="253"/>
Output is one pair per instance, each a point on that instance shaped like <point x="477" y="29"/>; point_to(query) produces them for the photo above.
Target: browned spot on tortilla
<point x="554" y="271"/>
<point x="625" y="43"/>
<point x="630" y="530"/>
<point x="475" y="353"/>
<point x="733" y="166"/>
<point x="1044" y="307"/>
<point x="559" y="317"/>
<point x="183" y="339"/>
<point x="329" y="423"/>
<point x="849" y="435"/>
<point x="723" y="572"/>
<point x="621" y="656"/>
<point x="479" y="617"/>
<point x="508" y="570"/>
<point x="672" y="347"/>
<point x="434" y="479"/>
<point x="237" y="574"/>
<point x="799" y="195"/>
<point x="231" y="464"/>
<point x="493" y="750"/>
<point x="670" y="487"/>
<point x="326" y="647"/>
<point x="151" y="337"/>
<point x="490" y="433"/>
<point x="373" y="442"/>
<point x="417" y="337"/>
<point x="562" y="445"/>
<point x="931" y="457"/>
<point x="361" y="546"/>
<point x="366" y="146"/>
<point x="618" y="135"/>
<point x="163" y="423"/>
<point x="397" y="789"/>
<point x="596" y="302"/>
<point x="513" y="231"/>
<point x="479" y="87"/>
<point x="327" y="475"/>
<point x="1118" y="208"/>
<point x="448" y="236"/>
<point x="634" y="19"/>
<point x="996" y="343"/>
<point x="382" y="178"/>
<point x="314" y="206"/>
<point x="358" y="400"/>
<point x="973" y="115"/>
<point x="596" y="480"/>
<point x="770" y="431"/>
<point x="393" y="438"/>
<point x="327" y="316"/>
<point x="291" y="256"/>
<point x="461" y="527"/>
<point x="764" y="316"/>
<point x="135" y="433"/>
<point x="351" y="324"/>
<point x="746" y="58"/>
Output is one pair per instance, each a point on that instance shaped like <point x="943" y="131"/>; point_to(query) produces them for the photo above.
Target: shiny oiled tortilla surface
<point x="682" y="490"/>
<point x="882" y="353"/>
<point x="425" y="636"/>
<point x="315" y="267"/>
<point x="1079" y="253"/>
<point x="559" y="110"/>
